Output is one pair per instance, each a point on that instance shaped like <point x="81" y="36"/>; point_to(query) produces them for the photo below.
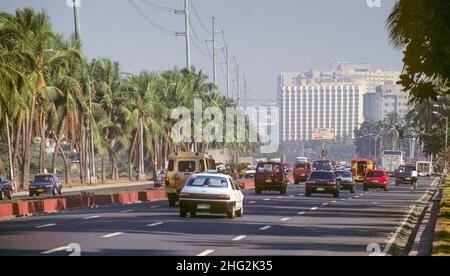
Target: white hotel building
<point x="327" y="105"/>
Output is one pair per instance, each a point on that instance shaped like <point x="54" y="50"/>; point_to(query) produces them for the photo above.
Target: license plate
<point x="375" y="181"/>
<point x="268" y="181"/>
<point x="40" y="190"/>
<point x="408" y="178"/>
<point x="321" y="190"/>
<point x="203" y="207"/>
<point x="302" y="175"/>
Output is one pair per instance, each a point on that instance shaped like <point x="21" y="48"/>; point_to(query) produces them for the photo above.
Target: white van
<point x="424" y="168"/>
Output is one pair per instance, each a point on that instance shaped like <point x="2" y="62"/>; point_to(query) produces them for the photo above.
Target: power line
<point x="199" y="18"/>
<point x="151" y="21"/>
<point x="197" y="42"/>
<point x="159" y="7"/>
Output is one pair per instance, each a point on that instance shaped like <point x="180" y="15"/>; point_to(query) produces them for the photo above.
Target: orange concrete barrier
<point x="23" y="208"/>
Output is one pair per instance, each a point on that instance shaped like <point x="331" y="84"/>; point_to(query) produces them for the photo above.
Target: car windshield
<point x="44" y="178"/>
<point x="375" y="174"/>
<point x="208" y="181"/>
<point x="263" y="168"/>
<point x="186" y="166"/>
<point x="343" y="174"/>
<point x="318" y="176"/>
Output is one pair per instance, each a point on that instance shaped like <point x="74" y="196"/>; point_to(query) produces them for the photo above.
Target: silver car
<point x="346" y="181"/>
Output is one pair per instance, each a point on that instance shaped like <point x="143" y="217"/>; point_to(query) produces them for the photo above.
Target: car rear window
<point x="42" y="178"/>
<point x="301" y="166"/>
<point x="322" y="176"/>
<point x="375" y="174"/>
<point x="186" y="166"/>
<point x="208" y="181"/>
<point x="264" y="168"/>
<point x="406" y="169"/>
<point x="343" y="174"/>
<point x="323" y="165"/>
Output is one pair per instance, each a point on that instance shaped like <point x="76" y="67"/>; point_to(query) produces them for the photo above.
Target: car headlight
<point x="49" y="186"/>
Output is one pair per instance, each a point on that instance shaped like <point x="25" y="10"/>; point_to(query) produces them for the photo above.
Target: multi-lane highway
<point x="272" y="225"/>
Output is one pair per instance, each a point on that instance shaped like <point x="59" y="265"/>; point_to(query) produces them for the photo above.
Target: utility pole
<point x="76" y="15"/>
<point x="238" y="80"/>
<point x="228" y="70"/>
<point x="187" y="34"/>
<point x="141" y="150"/>
<point x="214" y="51"/>
<point x="245" y="91"/>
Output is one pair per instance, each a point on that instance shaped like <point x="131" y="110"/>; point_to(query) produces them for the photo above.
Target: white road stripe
<point x="267" y="199"/>
<point x="156" y="206"/>
<point x="280" y="197"/>
<point x="362" y="194"/>
<point x="45" y="226"/>
<point x="325" y="204"/>
<point x="291" y="196"/>
<point x="239" y="238"/>
<point x="127" y="211"/>
<point x="265" y="228"/>
<point x="206" y="253"/>
<point x="59" y="249"/>
<point x="334" y="201"/>
<point x="285" y="219"/>
<point x="301" y="213"/>
<point x="93" y="217"/>
<point x="155" y="224"/>
<point x="314" y="209"/>
<point x="112" y="235"/>
<point x="252" y="202"/>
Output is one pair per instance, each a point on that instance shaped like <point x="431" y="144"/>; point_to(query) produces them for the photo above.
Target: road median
<point x="441" y="245"/>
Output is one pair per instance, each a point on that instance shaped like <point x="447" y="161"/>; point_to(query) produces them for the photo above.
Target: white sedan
<point x="211" y="193"/>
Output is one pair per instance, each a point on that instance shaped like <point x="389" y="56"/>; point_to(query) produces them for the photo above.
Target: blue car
<point x="45" y="184"/>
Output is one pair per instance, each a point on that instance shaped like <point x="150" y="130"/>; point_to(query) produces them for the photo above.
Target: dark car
<point x="270" y="177"/>
<point x="302" y="171"/>
<point x="6" y="188"/>
<point x="45" y="184"/>
<point x="346" y="181"/>
<point x="322" y="182"/>
<point x="323" y="165"/>
<point x="406" y="174"/>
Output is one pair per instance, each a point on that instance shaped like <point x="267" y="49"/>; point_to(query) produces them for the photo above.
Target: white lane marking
<point x="154" y="207"/>
<point x="59" y="249"/>
<point x="280" y="197"/>
<point x="112" y="235"/>
<point x="206" y="253"/>
<point x="127" y="211"/>
<point x="362" y="194"/>
<point x="155" y="224"/>
<point x="285" y="219"/>
<point x="300" y="194"/>
<point x="394" y="237"/>
<point x="92" y="217"/>
<point x="252" y="202"/>
<point x="334" y="201"/>
<point x="314" y="209"/>
<point x="45" y="226"/>
<point x="265" y="228"/>
<point x="267" y="199"/>
<point x="291" y="196"/>
<point x="301" y="213"/>
<point x="325" y="204"/>
<point x="374" y="203"/>
<point x="356" y="196"/>
<point x="239" y="238"/>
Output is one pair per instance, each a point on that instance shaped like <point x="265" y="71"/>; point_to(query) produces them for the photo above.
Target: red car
<point x="302" y="171"/>
<point x="270" y="177"/>
<point x="376" y="179"/>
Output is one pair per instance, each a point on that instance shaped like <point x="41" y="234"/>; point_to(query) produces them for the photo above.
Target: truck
<point x="392" y="160"/>
<point x="424" y="168"/>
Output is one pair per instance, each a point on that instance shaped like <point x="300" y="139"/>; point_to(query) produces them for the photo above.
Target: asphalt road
<point x="272" y="225"/>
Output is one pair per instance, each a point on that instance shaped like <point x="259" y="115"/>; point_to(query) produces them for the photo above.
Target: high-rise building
<point x="328" y="99"/>
<point x="388" y="98"/>
<point x="337" y="106"/>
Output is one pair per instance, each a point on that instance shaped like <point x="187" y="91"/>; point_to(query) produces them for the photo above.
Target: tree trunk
<point x="103" y="170"/>
<point x="28" y="139"/>
<point x="57" y="146"/>
<point x="15" y="153"/>
<point x="66" y="165"/>
<point x="42" y="144"/>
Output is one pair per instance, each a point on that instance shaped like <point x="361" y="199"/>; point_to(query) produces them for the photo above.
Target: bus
<point x="392" y="160"/>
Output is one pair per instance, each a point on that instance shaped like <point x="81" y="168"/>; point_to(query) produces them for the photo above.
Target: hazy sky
<point x="267" y="36"/>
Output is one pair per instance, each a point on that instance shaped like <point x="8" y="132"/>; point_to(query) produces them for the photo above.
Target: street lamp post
<point x="446" y="137"/>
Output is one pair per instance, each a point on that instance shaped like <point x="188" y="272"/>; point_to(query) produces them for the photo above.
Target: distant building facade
<point x="333" y="99"/>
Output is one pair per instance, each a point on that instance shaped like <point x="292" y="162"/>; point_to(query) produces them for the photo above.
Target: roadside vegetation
<point x="443" y="234"/>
